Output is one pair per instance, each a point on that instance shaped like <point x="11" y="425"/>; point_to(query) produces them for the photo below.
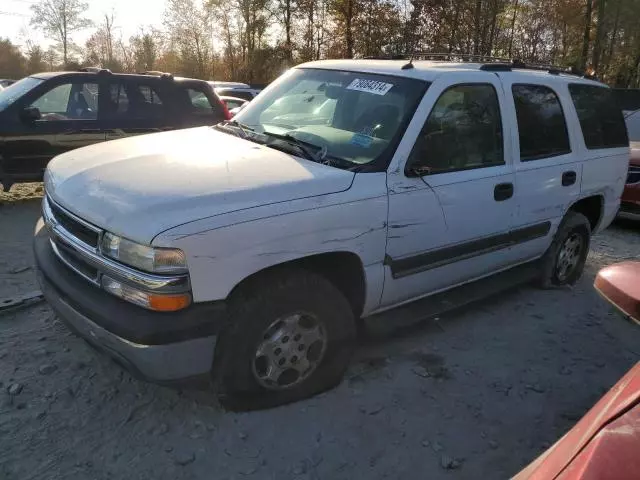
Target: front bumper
<point x="162" y="347"/>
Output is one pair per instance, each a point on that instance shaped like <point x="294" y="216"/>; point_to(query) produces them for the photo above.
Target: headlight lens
<point x="149" y="259"/>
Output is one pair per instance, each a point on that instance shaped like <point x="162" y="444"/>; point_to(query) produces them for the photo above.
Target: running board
<point x="439" y="303"/>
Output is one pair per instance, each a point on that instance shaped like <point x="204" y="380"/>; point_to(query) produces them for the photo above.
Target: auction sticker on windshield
<point x="370" y="86"/>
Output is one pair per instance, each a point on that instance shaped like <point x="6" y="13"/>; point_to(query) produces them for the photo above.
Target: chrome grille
<point x="76" y="243"/>
<point x="80" y="230"/>
<point x="634" y="174"/>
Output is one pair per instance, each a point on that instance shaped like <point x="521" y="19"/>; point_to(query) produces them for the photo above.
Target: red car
<point x="630" y="201"/>
<point x="605" y="443"/>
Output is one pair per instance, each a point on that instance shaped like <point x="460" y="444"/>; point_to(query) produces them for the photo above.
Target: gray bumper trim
<point x="162" y="363"/>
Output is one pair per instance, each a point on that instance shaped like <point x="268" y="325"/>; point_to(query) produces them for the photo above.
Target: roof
<point x="427" y="70"/>
<point x="48" y="75"/>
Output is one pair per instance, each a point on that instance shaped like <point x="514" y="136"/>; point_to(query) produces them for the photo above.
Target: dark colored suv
<point x="46" y="114"/>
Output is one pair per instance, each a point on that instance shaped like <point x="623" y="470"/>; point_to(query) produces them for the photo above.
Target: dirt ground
<point x="477" y="394"/>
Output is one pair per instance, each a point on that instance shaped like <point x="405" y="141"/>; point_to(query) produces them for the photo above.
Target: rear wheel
<point x="564" y="261"/>
<point x="290" y="336"/>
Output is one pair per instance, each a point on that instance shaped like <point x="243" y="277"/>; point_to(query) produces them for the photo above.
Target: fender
<point x="220" y="256"/>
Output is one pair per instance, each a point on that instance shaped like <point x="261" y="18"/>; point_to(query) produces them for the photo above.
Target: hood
<point x="141" y="186"/>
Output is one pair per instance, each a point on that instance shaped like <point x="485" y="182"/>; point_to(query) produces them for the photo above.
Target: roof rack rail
<point x="156" y="73"/>
<point x="491" y="64"/>
<point x="95" y="70"/>
<point x="519" y="64"/>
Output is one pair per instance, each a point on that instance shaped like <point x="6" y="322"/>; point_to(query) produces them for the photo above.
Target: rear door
<point x="136" y="106"/>
<point x="69" y="120"/>
<point x="547" y="162"/>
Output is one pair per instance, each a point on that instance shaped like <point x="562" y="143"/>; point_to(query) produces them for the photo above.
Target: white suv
<point x="249" y="252"/>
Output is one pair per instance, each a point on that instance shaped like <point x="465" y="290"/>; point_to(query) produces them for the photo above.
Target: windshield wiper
<point x="302" y="146"/>
<point x="240" y="127"/>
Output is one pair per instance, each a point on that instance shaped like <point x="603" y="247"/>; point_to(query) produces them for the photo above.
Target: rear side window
<point x="600" y="117"/>
<point x="542" y="128"/>
<point x="132" y="100"/>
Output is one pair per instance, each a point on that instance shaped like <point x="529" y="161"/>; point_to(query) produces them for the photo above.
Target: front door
<point x="68" y="120"/>
<point x="451" y="205"/>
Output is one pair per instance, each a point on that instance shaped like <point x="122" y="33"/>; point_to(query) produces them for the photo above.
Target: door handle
<point x="569" y="178"/>
<point x="502" y="192"/>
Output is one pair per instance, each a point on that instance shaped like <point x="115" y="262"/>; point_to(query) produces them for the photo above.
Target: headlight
<point x="149" y="259"/>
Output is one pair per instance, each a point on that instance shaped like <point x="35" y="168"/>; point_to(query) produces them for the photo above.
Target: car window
<point x="118" y="99"/>
<point x="69" y="101"/>
<point x="353" y="116"/>
<point x="633" y="126"/>
<point x="137" y="101"/>
<point x="234" y="103"/>
<point x="600" y="117"/>
<point x="463" y="131"/>
<point x="200" y="102"/>
<point x="16" y="90"/>
<point x="542" y="128"/>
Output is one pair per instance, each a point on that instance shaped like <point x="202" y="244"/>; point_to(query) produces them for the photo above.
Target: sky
<point x="129" y="16"/>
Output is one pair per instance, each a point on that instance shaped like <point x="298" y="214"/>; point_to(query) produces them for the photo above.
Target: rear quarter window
<point x="600" y="117"/>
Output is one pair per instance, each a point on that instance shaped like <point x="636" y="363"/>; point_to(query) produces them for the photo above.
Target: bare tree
<point x="59" y="19"/>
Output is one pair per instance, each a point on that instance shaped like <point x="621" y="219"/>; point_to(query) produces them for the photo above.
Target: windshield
<point x="352" y="116"/>
<point x="11" y="93"/>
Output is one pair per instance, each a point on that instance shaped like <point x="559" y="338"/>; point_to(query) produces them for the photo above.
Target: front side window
<point x="600" y="117"/>
<point x="341" y="117"/>
<point x="69" y="101"/>
<point x="542" y="128"/>
<point x="463" y="131"/>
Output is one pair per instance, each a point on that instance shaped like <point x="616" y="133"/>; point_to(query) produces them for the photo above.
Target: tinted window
<point x="463" y="131"/>
<point x="541" y="125"/>
<point x="137" y="101"/>
<point x="69" y="101"/>
<point x="600" y="117"/>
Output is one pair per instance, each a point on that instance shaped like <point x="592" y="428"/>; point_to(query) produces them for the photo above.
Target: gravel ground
<point x="478" y="394"/>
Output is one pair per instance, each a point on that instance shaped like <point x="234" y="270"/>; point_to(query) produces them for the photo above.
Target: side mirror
<point x="30" y="114"/>
<point x="417" y="170"/>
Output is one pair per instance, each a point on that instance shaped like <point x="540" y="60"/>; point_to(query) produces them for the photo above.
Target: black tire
<point x="574" y="225"/>
<point x="252" y="310"/>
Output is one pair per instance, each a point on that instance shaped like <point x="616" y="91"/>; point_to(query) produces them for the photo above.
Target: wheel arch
<point x="591" y="207"/>
<point x="343" y="269"/>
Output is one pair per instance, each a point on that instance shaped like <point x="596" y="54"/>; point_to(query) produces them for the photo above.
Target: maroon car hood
<point x="606" y="439"/>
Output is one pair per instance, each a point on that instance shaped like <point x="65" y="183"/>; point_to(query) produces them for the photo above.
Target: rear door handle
<point x="502" y="192"/>
<point x="569" y="178"/>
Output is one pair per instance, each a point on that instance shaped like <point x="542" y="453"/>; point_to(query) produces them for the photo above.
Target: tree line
<point x="256" y="40"/>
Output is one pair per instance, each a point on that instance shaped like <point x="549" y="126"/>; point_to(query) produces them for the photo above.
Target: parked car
<point x="604" y="444"/>
<point x="5" y="82"/>
<point x="619" y="284"/>
<point x="606" y="441"/>
<point x="250" y="252"/>
<point x="246" y="93"/>
<point x="47" y="114"/>
<point x="630" y="202"/>
<point x="233" y="102"/>
<point x="216" y="84"/>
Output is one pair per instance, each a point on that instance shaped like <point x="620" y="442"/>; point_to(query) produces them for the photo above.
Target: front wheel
<point x="290" y="336"/>
<point x="564" y="261"/>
